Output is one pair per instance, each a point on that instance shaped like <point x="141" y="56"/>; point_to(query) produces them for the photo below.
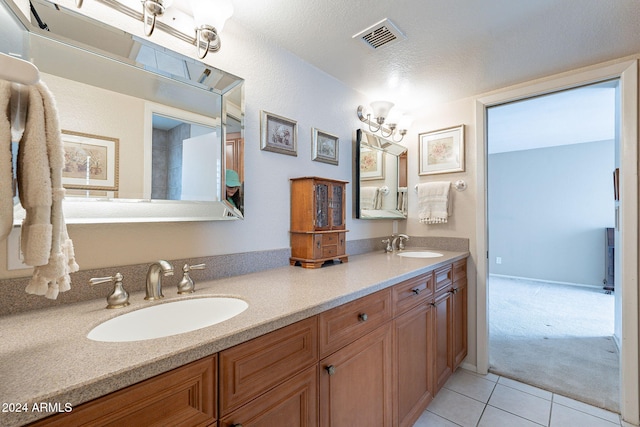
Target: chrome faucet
<point x="400" y="238"/>
<point x="154" y="279"/>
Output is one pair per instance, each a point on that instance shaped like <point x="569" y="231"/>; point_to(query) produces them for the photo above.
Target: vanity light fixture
<point x="381" y="113"/>
<point x="209" y="17"/>
<point x="150" y="10"/>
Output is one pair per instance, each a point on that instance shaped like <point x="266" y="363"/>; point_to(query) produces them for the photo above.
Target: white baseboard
<point x="581" y="285"/>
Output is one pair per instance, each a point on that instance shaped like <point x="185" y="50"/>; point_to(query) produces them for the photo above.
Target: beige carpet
<point x="556" y="337"/>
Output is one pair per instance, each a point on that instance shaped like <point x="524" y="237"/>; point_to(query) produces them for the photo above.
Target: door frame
<point x="626" y="70"/>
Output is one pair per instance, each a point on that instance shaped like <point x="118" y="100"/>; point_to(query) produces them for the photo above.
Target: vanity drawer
<point x="459" y="270"/>
<point x="412" y="292"/>
<point x="342" y="325"/>
<point x="183" y="396"/>
<point x="250" y="369"/>
<point x="443" y="277"/>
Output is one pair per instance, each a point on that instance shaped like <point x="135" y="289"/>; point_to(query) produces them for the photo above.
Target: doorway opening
<point x="550" y="203"/>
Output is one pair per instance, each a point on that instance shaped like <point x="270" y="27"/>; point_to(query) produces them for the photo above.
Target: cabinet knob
<point x="454" y="291"/>
<point x="416" y="291"/>
<point x="330" y="369"/>
<point x="433" y="304"/>
<point x="363" y="317"/>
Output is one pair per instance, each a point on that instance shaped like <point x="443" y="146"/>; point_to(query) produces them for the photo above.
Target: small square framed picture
<point x="441" y="151"/>
<point x="278" y="134"/>
<point x="324" y="147"/>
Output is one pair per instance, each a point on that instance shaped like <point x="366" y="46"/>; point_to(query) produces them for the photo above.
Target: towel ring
<point x="459" y="185"/>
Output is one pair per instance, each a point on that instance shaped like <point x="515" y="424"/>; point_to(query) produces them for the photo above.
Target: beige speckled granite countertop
<point x="46" y="357"/>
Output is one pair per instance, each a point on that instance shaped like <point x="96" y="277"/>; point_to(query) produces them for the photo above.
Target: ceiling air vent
<point x="381" y="34"/>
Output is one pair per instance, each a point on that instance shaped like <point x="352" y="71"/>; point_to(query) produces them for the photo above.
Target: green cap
<point x="231" y="178"/>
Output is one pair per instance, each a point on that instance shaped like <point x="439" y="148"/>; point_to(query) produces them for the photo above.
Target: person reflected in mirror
<point x="234" y="193"/>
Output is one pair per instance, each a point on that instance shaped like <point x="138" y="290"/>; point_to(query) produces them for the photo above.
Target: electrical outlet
<point x="498" y="260"/>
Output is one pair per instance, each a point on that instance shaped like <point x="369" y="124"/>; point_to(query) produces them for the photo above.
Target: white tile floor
<point x="472" y="400"/>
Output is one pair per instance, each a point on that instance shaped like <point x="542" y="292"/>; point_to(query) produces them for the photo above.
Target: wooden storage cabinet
<point x="185" y="396"/>
<point x="318" y="228"/>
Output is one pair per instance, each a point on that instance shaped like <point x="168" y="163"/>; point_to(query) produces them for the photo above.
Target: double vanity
<point x="307" y="344"/>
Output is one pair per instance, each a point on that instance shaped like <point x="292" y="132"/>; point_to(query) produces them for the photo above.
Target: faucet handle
<point x="388" y="248"/>
<point x="119" y="297"/>
<point x="187" y="285"/>
<point x="403" y="238"/>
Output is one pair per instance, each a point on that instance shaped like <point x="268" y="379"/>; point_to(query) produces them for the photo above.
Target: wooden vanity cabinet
<point x="356" y="366"/>
<point x="413" y="334"/>
<point x="185" y="396"/>
<point x="450" y="320"/>
<point x="459" y="312"/>
<point x="376" y="361"/>
<point x="318" y="226"/>
<point x="356" y="385"/>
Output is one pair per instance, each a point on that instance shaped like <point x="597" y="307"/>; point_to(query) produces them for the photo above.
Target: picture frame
<point x="371" y="164"/>
<point x="90" y="161"/>
<point x="325" y="147"/>
<point x="278" y="134"/>
<point x="441" y="151"/>
<point x="80" y="193"/>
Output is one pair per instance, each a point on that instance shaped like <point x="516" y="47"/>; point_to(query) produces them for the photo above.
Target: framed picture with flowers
<point x="278" y="134"/>
<point x="441" y="151"/>
<point x="371" y="164"/>
<point x="90" y="161"/>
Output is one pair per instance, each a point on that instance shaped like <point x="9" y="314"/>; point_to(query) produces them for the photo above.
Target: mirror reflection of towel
<point x="369" y="197"/>
<point x="434" y="202"/>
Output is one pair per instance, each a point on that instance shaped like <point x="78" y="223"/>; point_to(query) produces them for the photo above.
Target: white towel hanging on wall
<point x="434" y="202"/>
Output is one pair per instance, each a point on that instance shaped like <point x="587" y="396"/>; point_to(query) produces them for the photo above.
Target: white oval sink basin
<point x="171" y="318"/>
<point x="419" y="254"/>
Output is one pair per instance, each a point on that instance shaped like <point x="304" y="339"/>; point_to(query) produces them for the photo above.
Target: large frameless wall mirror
<point x="381" y="174"/>
<point x="149" y="134"/>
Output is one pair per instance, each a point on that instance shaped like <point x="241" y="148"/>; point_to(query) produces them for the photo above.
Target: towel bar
<point x="459" y="185"/>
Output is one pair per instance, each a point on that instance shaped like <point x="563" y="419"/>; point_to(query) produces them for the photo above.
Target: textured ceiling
<point x="454" y="48"/>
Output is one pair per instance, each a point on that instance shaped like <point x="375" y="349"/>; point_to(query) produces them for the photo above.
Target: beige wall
<point x="91" y="110"/>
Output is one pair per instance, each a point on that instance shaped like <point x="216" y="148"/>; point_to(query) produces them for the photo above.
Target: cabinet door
<point x="356" y="383"/>
<point x="443" y="338"/>
<point x="292" y="404"/>
<point x="413" y="362"/>
<point x="337" y="206"/>
<point x="459" y="319"/>
<point x="321" y="202"/>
